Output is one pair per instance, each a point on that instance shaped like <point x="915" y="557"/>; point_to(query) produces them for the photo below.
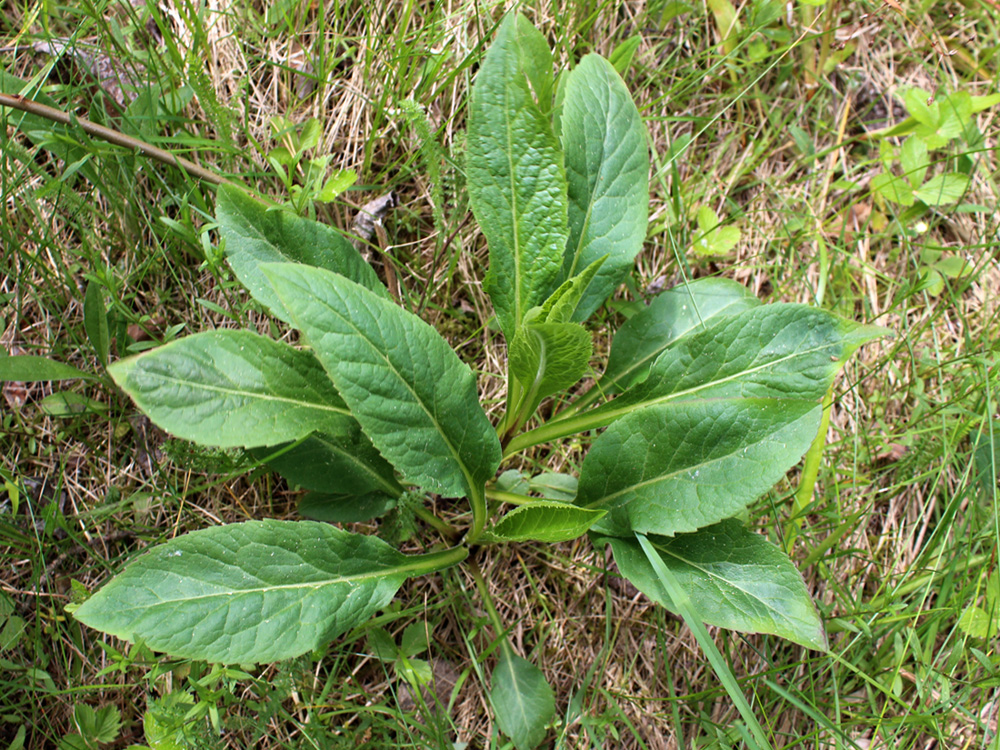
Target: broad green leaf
<point x="943" y="188"/>
<point x="412" y="395"/>
<point x="516" y="182"/>
<point x="736" y="580"/>
<point x="774" y="351"/>
<point x="30" y="368"/>
<point x="672" y="314"/>
<point x="95" y="321"/>
<point x="676" y="467"/>
<point x="233" y="389"/>
<point x="769" y="351"/>
<point x="522" y="699"/>
<point x="893" y="188"/>
<point x="345" y="508"/>
<point x="252" y="592"/>
<point x="256" y="234"/>
<point x="607" y="169"/>
<point x="343" y="464"/>
<point x="547" y="358"/>
<point x="544" y="521"/>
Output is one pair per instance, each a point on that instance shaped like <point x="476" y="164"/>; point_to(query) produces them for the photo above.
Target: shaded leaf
<point x="345" y="508"/>
<point x="344" y="464"/>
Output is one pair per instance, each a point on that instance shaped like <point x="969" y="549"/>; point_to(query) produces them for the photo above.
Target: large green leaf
<point x="517" y="187"/>
<point x="345" y="508"/>
<point x="676" y="467"/>
<point x="736" y="579"/>
<point x="233" y="388"/>
<point x="345" y="464"/>
<point x="253" y="592"/>
<point x="412" y="395"/>
<point x="771" y="351"/>
<point x="607" y="170"/>
<point x="522" y="699"/>
<point x="670" y="315"/>
<point x="544" y="521"/>
<point x="256" y="234"/>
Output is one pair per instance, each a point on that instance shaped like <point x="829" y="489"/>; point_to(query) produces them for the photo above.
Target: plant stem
<point x="509" y="497"/>
<point x="16" y="101"/>
<point x="437" y="560"/>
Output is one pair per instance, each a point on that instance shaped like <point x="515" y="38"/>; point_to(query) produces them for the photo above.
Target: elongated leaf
<point x="544" y="521"/>
<point x="412" y="395"/>
<point x="673" y="468"/>
<point x="735" y="578"/>
<point x="770" y="351"/>
<point x="607" y="170"/>
<point x="95" y="321"/>
<point x="522" y="699"/>
<point x="517" y="187"/>
<point x="548" y="357"/>
<point x="253" y="592"/>
<point x="671" y="315"/>
<point x="345" y="464"/>
<point x="233" y="389"/>
<point x="255" y="234"/>
<point x="29" y="368"/>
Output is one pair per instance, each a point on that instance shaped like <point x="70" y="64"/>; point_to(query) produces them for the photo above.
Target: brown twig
<point x="16" y="101"/>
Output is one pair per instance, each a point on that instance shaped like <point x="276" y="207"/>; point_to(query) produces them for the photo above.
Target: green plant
<point x="715" y="398"/>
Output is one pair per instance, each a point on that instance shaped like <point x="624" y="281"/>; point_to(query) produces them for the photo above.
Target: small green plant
<point x="305" y="178"/>
<point x="708" y="398"/>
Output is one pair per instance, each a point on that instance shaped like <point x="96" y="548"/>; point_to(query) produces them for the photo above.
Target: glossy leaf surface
<point x="607" y="171"/>
<point x="252" y="592"/>
<point x="412" y="395"/>
<point x="516" y="182"/>
<point x="256" y="234"/>
<point x="233" y="389"/>
<point x="549" y="357"/>
<point x="736" y="579"/>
